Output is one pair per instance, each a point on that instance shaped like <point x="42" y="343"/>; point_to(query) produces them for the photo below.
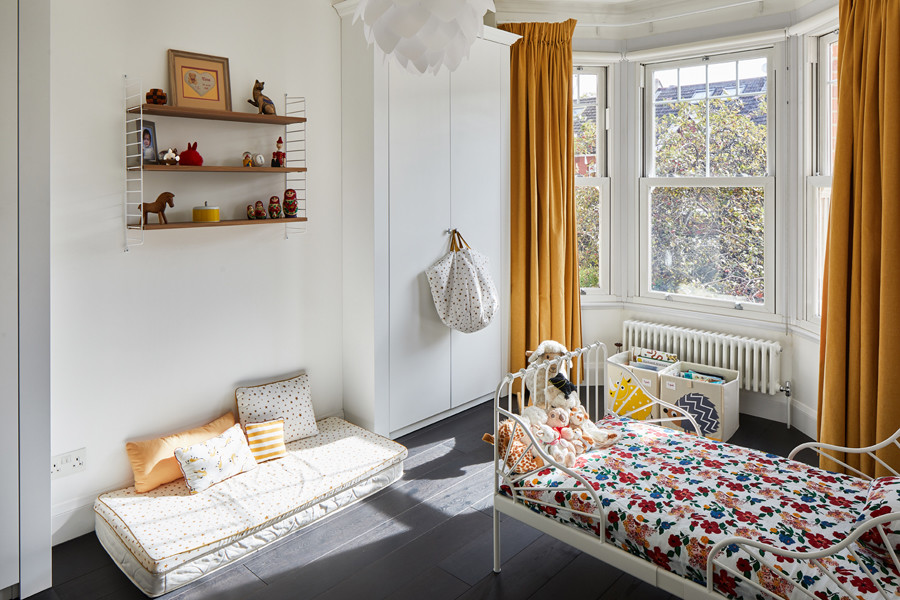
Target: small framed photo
<point x="147" y="130"/>
<point x="199" y="80"/>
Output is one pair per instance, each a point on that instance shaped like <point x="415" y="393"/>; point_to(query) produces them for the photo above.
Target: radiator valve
<point x="786" y="388"/>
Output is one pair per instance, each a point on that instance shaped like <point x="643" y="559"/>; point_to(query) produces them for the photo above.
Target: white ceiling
<point x="625" y="19"/>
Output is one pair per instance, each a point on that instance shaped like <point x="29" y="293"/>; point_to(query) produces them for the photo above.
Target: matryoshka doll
<point x="260" y="210"/>
<point x="290" y="203"/>
<point x="251" y="214"/>
<point x="274" y="207"/>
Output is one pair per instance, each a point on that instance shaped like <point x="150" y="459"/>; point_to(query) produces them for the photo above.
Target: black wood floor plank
<point x="628" y="586"/>
<point x="465" y="423"/>
<point x="77" y="557"/>
<point x="384" y="576"/>
<point x="525" y="572"/>
<point x="234" y="582"/>
<point x="354" y="552"/>
<point x="433" y="584"/>
<point x="585" y="577"/>
<point x="475" y="560"/>
<point x="307" y="545"/>
<point x="48" y="594"/>
<point x="769" y="436"/>
<point x="106" y="581"/>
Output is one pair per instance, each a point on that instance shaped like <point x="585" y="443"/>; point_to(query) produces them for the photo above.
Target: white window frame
<point x="601" y="181"/>
<point x="647" y="182"/>
<point x="820" y="178"/>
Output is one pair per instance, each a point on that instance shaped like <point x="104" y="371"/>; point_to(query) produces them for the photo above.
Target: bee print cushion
<point x="215" y="460"/>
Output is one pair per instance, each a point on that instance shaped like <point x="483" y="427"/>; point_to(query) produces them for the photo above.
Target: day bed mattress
<point x="669" y="497"/>
<point x="167" y="537"/>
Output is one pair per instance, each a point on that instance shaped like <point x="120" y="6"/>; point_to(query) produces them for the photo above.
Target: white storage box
<point x="629" y="386"/>
<point x="715" y="406"/>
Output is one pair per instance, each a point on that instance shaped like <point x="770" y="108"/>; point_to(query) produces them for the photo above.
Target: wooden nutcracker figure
<point x="278" y="157"/>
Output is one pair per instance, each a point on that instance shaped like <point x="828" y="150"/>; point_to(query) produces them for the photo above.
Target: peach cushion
<point x="153" y="461"/>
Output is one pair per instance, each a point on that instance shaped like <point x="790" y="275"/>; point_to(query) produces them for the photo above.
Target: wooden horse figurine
<point x="158" y="206"/>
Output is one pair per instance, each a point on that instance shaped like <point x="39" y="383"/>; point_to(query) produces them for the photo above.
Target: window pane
<point x="752" y="74"/>
<point x="708" y="242"/>
<point x="712" y="122"/>
<point x="823" y="205"/>
<point x="738" y="140"/>
<point x="680" y="139"/>
<point x="691" y="80"/>
<point x="587" y="209"/>
<point x="585" y="121"/>
<point x="722" y="79"/>
<point x="830" y="118"/>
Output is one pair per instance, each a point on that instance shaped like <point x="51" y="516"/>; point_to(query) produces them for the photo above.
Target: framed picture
<point x="199" y="80"/>
<point x="147" y="130"/>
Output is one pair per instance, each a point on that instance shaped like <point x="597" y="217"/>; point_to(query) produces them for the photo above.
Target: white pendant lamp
<point x="423" y="35"/>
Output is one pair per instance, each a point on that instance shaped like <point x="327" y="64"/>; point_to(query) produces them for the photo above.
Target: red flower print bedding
<point x="670" y="497"/>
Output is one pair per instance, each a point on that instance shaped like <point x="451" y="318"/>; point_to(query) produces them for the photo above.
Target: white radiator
<point x="758" y="361"/>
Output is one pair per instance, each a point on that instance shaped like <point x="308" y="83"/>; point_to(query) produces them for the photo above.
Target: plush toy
<point x="170" y="157"/>
<point x="191" y="157"/>
<point x="548" y="386"/>
<point x="561" y="448"/>
<point x="536" y="418"/>
<point x="523" y="460"/>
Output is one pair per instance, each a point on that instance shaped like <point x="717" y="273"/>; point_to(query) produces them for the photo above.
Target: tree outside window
<point x="707" y="234"/>
<point x="588" y="108"/>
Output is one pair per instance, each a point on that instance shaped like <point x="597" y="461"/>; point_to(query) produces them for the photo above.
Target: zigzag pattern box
<point x="715" y="406"/>
<point x="629" y="386"/>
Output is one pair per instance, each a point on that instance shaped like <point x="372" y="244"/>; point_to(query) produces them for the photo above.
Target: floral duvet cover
<point x="669" y="497"/>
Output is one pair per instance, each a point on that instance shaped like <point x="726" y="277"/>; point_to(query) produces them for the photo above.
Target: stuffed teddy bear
<point x="536" y="418"/>
<point x="548" y="386"/>
<point x="561" y="448"/>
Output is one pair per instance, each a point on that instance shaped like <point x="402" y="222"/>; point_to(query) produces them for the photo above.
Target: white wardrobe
<point x="422" y="154"/>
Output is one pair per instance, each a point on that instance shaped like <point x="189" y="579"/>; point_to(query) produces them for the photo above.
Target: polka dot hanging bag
<point x="462" y="288"/>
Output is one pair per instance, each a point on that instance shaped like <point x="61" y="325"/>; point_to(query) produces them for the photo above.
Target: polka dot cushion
<point x="289" y="400"/>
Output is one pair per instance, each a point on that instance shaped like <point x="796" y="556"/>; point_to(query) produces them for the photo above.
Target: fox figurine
<point x="260" y="100"/>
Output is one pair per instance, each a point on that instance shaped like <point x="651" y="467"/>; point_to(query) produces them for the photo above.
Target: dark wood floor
<point x="427" y="536"/>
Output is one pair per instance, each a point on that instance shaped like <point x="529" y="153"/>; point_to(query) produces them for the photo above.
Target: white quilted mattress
<point x="167" y="537"/>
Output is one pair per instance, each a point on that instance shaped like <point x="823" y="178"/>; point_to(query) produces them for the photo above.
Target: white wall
<point x="155" y="340"/>
<point x="9" y="307"/>
<point x="34" y="295"/>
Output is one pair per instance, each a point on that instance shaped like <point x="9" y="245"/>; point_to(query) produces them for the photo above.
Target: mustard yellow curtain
<point x="859" y="378"/>
<point x="545" y="295"/>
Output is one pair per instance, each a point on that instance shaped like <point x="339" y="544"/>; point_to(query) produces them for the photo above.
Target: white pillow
<point x="289" y="400"/>
<point x="215" y="460"/>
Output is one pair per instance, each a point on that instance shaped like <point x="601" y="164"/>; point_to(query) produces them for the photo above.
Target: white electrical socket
<point x="68" y="463"/>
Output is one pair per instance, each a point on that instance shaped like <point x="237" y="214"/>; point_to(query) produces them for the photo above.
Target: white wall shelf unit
<point x="293" y="123"/>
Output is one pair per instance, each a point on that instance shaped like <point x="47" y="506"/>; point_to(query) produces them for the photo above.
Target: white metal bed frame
<point x="597" y="546"/>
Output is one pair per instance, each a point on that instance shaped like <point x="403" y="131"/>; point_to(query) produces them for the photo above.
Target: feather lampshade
<point x="423" y="35"/>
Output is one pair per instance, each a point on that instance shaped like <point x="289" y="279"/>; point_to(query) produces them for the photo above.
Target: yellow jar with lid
<point x="206" y="214"/>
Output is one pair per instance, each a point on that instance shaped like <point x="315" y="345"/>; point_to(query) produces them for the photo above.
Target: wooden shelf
<point x="188" y="224"/>
<point x="163" y="110"/>
<point x="220" y="169"/>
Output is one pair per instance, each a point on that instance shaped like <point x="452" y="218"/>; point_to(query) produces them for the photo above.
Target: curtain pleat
<point x="859" y="377"/>
<point x="545" y="298"/>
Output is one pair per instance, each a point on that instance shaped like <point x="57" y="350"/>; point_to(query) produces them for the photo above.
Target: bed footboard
<point x="820" y="448"/>
<point x="717" y="569"/>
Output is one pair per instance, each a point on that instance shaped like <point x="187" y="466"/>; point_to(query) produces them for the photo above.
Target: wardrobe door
<point x="475" y="184"/>
<point x="419" y="131"/>
<point x="9" y="304"/>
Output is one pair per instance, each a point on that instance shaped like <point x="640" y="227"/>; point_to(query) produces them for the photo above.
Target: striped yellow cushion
<point x="266" y="440"/>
